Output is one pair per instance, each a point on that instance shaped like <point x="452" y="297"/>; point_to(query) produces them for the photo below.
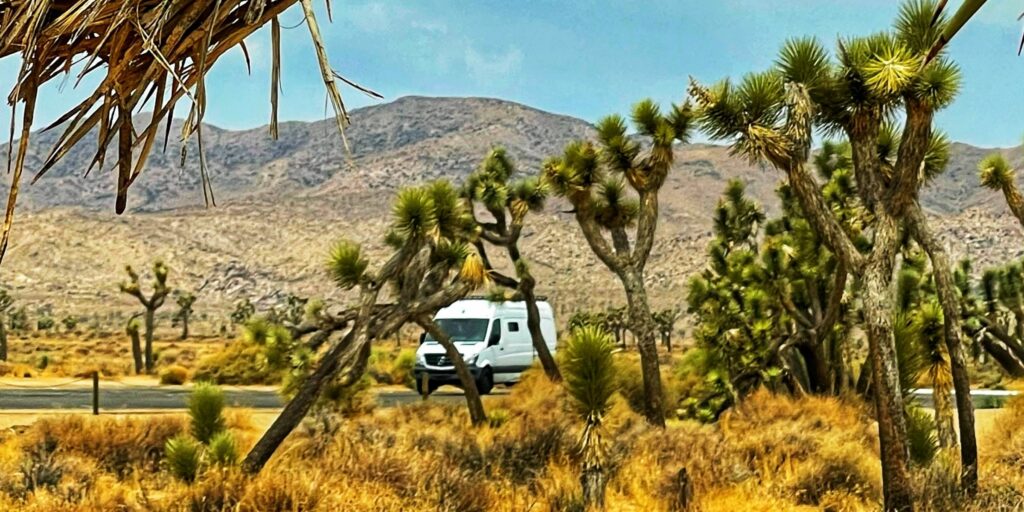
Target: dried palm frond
<point x="151" y="53"/>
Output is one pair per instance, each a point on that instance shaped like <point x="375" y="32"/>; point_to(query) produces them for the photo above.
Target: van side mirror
<point x="423" y="337"/>
<point x="494" y="339"/>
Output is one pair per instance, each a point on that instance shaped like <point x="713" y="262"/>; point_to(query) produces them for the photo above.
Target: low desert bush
<point x="387" y="366"/>
<point x="173" y="375"/>
<point x="117" y="445"/>
<point x="239" y="363"/>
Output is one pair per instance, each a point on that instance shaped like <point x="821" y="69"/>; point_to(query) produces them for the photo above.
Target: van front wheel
<point x="485" y="382"/>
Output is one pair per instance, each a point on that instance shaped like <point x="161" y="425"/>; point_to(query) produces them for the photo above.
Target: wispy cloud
<point x="492" y="66"/>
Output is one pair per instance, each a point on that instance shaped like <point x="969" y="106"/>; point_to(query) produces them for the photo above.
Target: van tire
<point x="485" y="382"/>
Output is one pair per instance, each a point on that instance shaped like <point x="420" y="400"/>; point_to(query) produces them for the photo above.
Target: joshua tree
<point x="244" y="310"/>
<point x="994" y="313"/>
<point x="508" y="202"/>
<point x="185" y="300"/>
<point x="666" y="320"/>
<point x="590" y="379"/>
<point x="151" y="303"/>
<point x="595" y="181"/>
<point x="131" y="328"/>
<point x="432" y="264"/>
<point x="996" y="174"/>
<point x="774" y="303"/>
<point x="5" y="306"/>
<point x="770" y="117"/>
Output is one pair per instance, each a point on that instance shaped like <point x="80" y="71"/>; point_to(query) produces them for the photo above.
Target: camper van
<point x="492" y="338"/>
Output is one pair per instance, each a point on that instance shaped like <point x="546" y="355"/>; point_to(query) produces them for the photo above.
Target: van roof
<point x="483" y="308"/>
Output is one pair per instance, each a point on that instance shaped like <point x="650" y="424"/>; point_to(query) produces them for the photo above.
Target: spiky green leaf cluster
<point x="346" y="264"/>
<point x="589" y="369"/>
<point x="183" y="457"/>
<point x="206" y="411"/>
<point x="995" y="172"/>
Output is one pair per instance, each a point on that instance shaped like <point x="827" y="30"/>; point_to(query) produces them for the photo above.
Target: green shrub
<point x="174" y="375"/>
<point x="223" y="451"/>
<point x="45" y="323"/>
<point x="69" y="322"/>
<point x="206" y="411"/>
<point x="183" y="457"/>
<point x="43" y="362"/>
<point x="387" y="367"/>
<point x="402" y="368"/>
<point x="240" y="363"/>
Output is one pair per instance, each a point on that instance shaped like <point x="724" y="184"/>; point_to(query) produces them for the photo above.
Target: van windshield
<point x="462" y="330"/>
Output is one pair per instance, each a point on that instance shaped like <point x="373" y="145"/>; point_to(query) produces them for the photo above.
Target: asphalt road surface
<point x="176" y="398"/>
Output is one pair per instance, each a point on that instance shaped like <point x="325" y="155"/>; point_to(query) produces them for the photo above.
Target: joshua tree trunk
<point x="547" y="361"/>
<point x="184" y="327"/>
<point x="592" y="474"/>
<point x="150" y="321"/>
<point x="297" y="407"/>
<point x="958" y="362"/>
<point x="645" y="333"/>
<point x="476" y="407"/>
<point x="889" y="410"/>
<point x="133" y="334"/>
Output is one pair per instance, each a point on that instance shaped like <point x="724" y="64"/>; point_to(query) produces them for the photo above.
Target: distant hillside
<point x="283" y="202"/>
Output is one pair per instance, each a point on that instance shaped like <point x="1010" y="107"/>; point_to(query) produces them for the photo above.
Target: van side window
<point x="495" y="337"/>
<point x="513" y="327"/>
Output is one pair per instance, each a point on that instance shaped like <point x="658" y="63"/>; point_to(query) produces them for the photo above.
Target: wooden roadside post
<point x="95" y="393"/>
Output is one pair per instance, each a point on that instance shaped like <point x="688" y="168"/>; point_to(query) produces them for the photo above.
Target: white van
<point x="492" y="338"/>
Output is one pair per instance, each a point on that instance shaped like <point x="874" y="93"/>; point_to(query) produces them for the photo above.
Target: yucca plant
<point x="150" y="303"/>
<point x="590" y="378"/>
<point x="432" y="263"/>
<point x="183" y="457"/>
<point x="222" y="449"/>
<point x="613" y="187"/>
<point x="856" y="92"/>
<point x="206" y="412"/>
<point x="509" y="200"/>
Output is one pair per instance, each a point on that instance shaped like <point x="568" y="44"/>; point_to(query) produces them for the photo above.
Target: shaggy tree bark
<point x="476" y="407"/>
<point x="950" y="302"/>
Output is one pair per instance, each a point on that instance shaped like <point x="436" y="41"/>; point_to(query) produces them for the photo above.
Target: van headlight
<point x="421" y="360"/>
<point x="470" y="360"/>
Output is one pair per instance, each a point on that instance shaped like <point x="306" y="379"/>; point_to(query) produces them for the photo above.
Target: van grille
<point x="437" y="360"/>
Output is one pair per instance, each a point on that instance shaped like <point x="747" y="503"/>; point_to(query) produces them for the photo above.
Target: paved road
<point x="175" y="398"/>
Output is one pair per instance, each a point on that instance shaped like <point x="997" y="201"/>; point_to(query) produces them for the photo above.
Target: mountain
<point x="282" y="203"/>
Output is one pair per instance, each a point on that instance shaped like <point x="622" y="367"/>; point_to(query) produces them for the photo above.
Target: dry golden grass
<point x="771" y="453"/>
<point x="73" y="355"/>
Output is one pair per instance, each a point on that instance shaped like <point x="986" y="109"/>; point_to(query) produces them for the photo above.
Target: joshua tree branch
<point x="647" y="223"/>
<point x="950" y="302"/>
<point x="917" y="132"/>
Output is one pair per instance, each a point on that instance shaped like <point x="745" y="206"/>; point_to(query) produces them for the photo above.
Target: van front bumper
<point x="441" y="375"/>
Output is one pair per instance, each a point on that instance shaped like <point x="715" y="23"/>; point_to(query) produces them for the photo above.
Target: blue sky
<point x="581" y="58"/>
